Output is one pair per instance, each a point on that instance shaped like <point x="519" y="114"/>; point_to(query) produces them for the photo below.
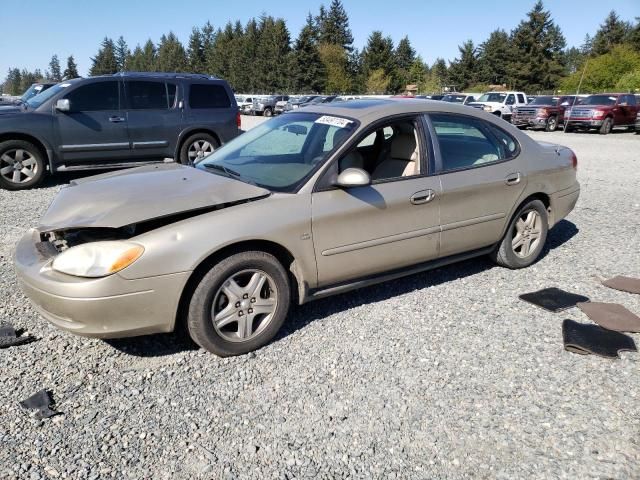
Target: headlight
<point x="97" y="259"/>
<point x="487" y="108"/>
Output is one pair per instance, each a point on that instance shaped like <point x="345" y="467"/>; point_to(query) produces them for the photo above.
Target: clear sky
<point x="33" y="30"/>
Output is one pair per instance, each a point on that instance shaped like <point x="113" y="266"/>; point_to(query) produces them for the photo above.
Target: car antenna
<point x="575" y="98"/>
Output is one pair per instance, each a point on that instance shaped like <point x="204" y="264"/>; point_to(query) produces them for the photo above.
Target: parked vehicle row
<point x="115" y="121"/>
<point x="544" y="112"/>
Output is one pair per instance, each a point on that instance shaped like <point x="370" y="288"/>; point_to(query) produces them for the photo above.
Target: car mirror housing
<point x="63" y="105"/>
<point x="353" y="177"/>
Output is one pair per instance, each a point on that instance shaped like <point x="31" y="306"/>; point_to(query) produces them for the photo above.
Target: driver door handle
<point x="116" y="119"/>
<point x="513" y="179"/>
<point x="423" y="196"/>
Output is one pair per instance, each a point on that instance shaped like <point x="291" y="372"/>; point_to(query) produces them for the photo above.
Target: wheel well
<point x="544" y="198"/>
<point x="193" y="132"/>
<point x="497" y="113"/>
<point x="283" y="255"/>
<point x="28" y="138"/>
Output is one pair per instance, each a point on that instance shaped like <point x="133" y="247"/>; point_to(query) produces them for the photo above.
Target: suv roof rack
<point x="200" y="76"/>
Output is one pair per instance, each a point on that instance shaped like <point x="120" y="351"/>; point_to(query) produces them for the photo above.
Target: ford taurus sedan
<point x="309" y="204"/>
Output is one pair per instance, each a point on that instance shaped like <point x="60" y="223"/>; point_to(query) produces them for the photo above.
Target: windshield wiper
<point x="229" y="172"/>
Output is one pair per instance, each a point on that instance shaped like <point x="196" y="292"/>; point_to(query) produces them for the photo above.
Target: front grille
<point x="527" y="112"/>
<point x="581" y="113"/>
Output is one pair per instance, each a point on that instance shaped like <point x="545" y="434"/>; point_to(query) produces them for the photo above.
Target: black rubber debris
<point x="41" y="401"/>
<point x="10" y="338"/>
<point x="612" y="316"/>
<point x="553" y="299"/>
<point x="585" y="339"/>
<point x="625" y="284"/>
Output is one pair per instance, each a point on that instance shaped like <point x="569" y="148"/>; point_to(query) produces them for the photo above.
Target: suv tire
<point x="240" y="304"/>
<point x="268" y="112"/>
<point x="196" y="147"/>
<point x="606" y="126"/>
<point x="525" y="237"/>
<point x="21" y="165"/>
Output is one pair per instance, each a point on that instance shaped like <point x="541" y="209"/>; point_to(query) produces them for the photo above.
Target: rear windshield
<point x="208" y="96"/>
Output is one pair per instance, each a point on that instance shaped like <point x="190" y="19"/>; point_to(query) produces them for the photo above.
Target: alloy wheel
<point x="527" y="233"/>
<point x="244" y="305"/>
<point x="198" y="150"/>
<point x="18" y="166"/>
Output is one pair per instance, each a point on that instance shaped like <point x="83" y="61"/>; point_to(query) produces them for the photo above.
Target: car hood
<point x="125" y="197"/>
<point x="4" y="109"/>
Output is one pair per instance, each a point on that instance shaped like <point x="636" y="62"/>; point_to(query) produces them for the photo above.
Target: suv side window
<point x="510" y="100"/>
<point x="466" y="142"/>
<point x="95" y="97"/>
<point x="521" y="98"/>
<point x="208" y="96"/>
<point x="147" y="95"/>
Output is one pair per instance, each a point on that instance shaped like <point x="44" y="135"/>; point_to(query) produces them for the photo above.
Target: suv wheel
<point x="606" y="127"/>
<point x="552" y="124"/>
<point x="240" y="304"/>
<point x="196" y="147"/>
<point x="525" y="238"/>
<point x="268" y="112"/>
<point x="21" y="165"/>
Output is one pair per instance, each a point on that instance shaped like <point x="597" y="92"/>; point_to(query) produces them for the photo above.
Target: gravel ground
<point x="445" y="374"/>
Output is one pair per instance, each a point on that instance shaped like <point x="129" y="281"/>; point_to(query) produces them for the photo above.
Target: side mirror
<point x="353" y="177"/>
<point x="63" y="105"/>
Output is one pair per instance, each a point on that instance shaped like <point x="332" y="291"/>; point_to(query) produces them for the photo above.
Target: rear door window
<point x="95" y="97"/>
<point x="521" y="98"/>
<point x="208" y="96"/>
<point x="149" y="95"/>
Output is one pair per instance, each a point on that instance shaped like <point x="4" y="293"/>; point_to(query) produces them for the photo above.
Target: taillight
<point x="238" y="119"/>
<point x="574" y="160"/>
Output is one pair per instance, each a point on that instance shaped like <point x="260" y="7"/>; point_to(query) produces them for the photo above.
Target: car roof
<point x="369" y="109"/>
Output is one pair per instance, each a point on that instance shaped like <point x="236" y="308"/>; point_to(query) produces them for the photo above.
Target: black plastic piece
<point x="10" y="338"/>
<point x="585" y="338"/>
<point x="553" y="299"/>
<point x="43" y="402"/>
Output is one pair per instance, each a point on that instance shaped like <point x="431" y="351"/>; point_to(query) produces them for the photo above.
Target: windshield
<point x="281" y="153"/>
<point x="545" y="101"/>
<point x="35" y="102"/>
<point x="454" y="98"/>
<point x="32" y="91"/>
<point x="493" y="97"/>
<point x="599" y="100"/>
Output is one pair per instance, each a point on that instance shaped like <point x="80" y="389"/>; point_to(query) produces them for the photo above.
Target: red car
<point x="545" y="112"/>
<point x="604" y="112"/>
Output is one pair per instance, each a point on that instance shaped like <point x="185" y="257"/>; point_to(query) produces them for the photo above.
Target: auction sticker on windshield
<point x="334" y="121"/>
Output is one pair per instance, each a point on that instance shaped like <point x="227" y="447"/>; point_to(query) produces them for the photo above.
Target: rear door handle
<point x="513" y="179"/>
<point x="116" y="119"/>
<point x="423" y="196"/>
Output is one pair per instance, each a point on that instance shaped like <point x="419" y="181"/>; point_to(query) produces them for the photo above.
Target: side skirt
<point x="335" y="289"/>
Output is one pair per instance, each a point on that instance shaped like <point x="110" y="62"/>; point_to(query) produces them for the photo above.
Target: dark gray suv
<point x="115" y="121"/>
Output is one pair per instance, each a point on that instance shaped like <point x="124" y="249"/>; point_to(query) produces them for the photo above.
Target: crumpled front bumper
<point x="107" y="307"/>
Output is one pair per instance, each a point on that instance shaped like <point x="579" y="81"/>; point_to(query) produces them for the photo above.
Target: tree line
<point x="262" y="57"/>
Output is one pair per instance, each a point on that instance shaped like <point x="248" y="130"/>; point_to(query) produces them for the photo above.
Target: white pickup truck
<point x="500" y="103"/>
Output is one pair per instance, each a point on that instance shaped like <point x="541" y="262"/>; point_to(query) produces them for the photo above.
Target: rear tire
<point x="607" y="126"/>
<point x="240" y="304"/>
<point x="196" y="147"/>
<point x="268" y="112"/>
<point x="21" y="165"/>
<point x="525" y="237"/>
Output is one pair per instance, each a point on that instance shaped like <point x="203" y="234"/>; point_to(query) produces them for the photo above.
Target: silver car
<point x="308" y="204"/>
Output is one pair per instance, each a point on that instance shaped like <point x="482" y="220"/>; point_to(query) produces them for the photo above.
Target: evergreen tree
<point x="247" y="53"/>
<point x="72" y="69"/>
<point x="13" y="82"/>
<point x="463" y="71"/>
<point x="171" y="54"/>
<point x="405" y="56"/>
<point x="335" y="61"/>
<point x="334" y="26"/>
<point x="612" y="32"/>
<point x="494" y="57"/>
<point x="418" y="73"/>
<point x="538" y="46"/>
<point x="633" y="37"/>
<point x="308" y="70"/>
<point x="195" y="51"/>
<point x="220" y="61"/>
<point x="54" y="69"/>
<point x="378" y="54"/>
<point x="378" y="82"/>
<point x="273" y="48"/>
<point x="573" y="59"/>
<point x="144" y="59"/>
<point x="122" y="54"/>
<point x="105" y="62"/>
<point x="355" y="72"/>
<point x="440" y="74"/>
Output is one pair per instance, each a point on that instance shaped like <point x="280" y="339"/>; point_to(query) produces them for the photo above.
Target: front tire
<point x="21" y="165"/>
<point x="268" y="112"/>
<point x="525" y="238"/>
<point x="552" y="124"/>
<point x="606" y="126"/>
<point x="240" y="304"/>
<point x="196" y="147"/>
